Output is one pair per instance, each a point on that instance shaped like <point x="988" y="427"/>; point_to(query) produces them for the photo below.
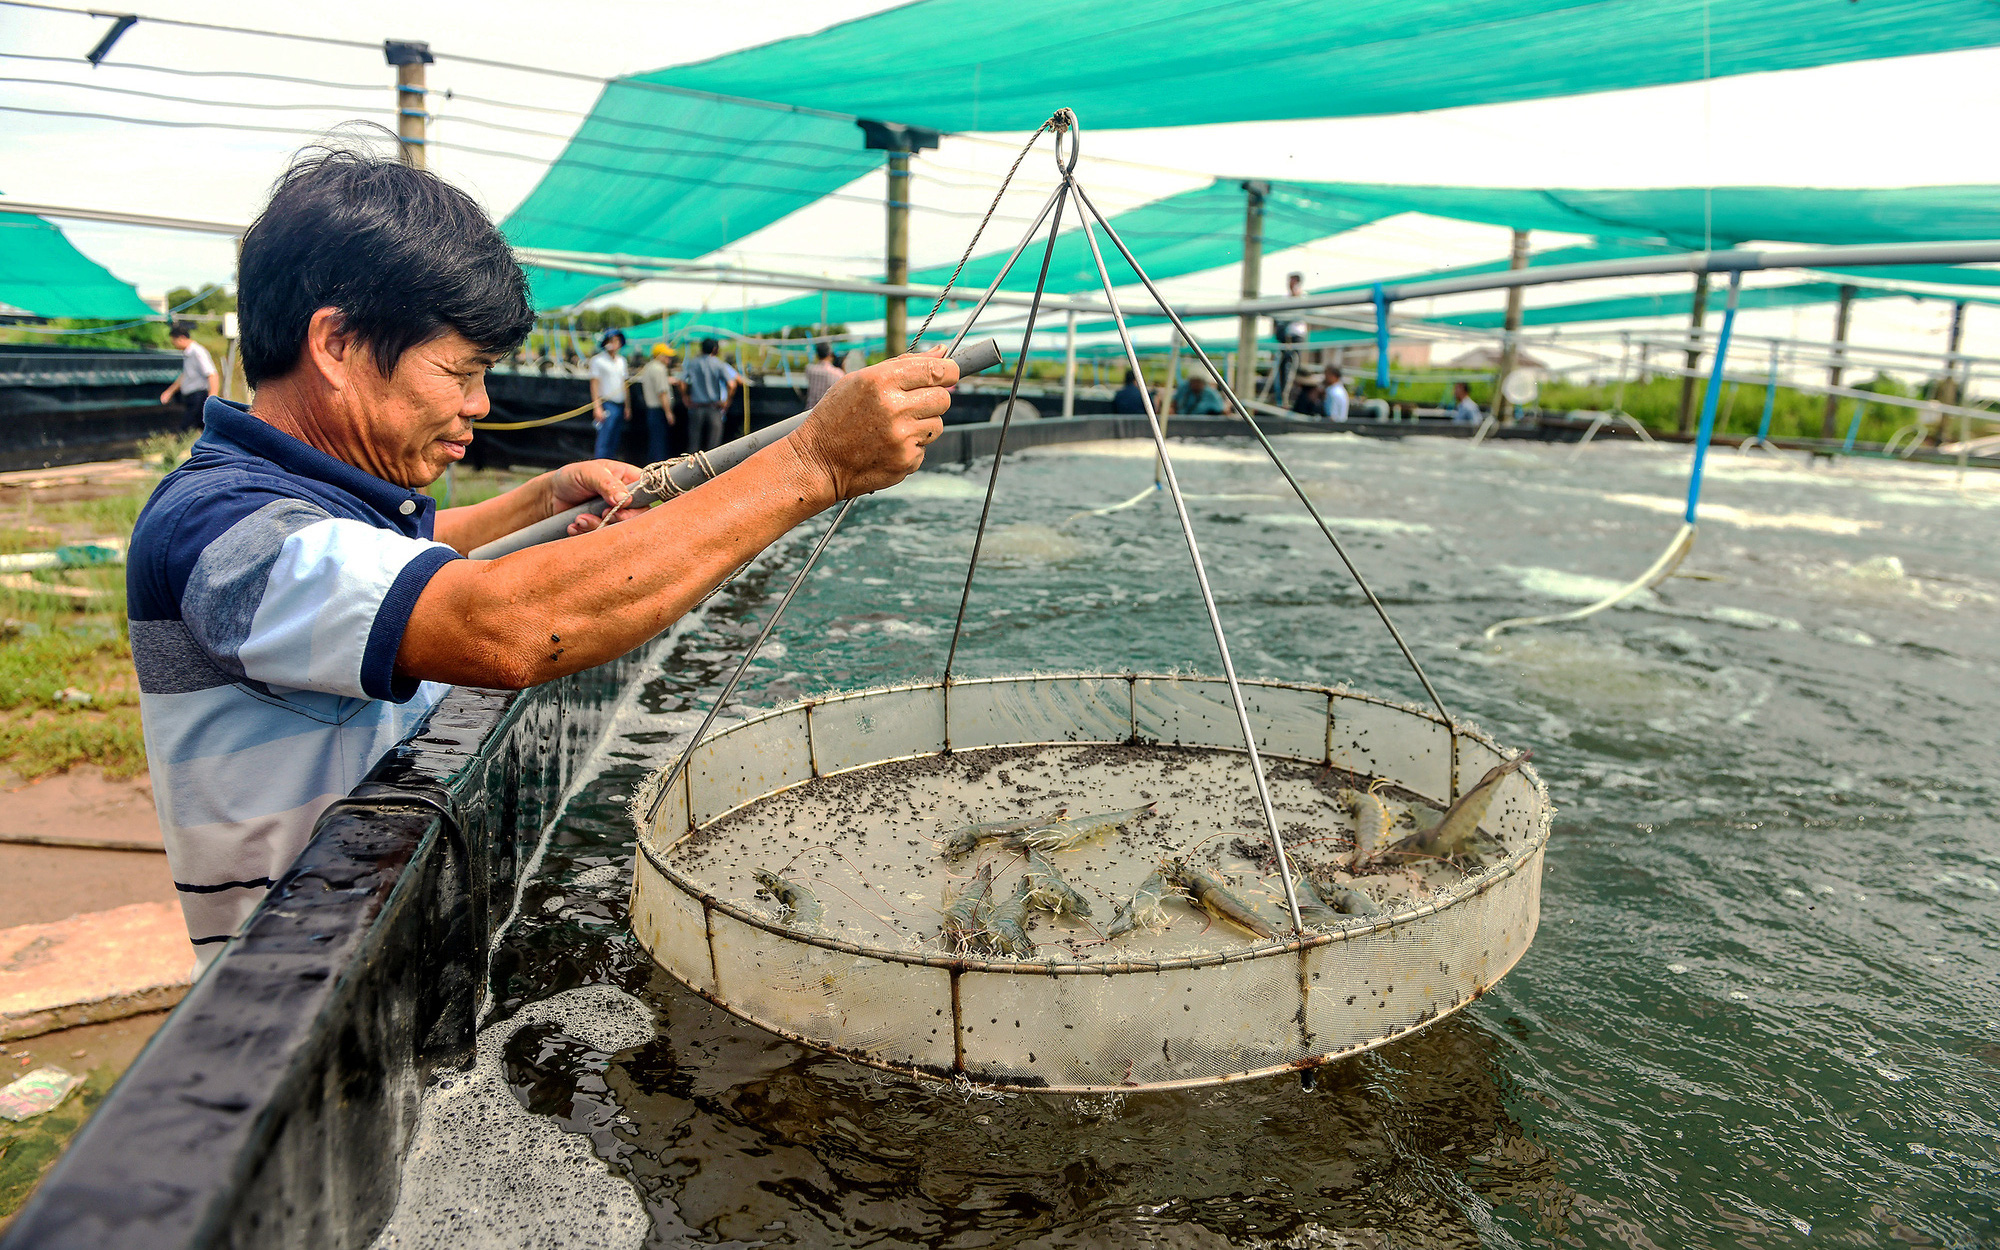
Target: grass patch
<point x="29" y="1149"/>
<point x="50" y="642"/>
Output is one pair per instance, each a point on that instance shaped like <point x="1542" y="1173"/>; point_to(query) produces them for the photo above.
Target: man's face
<point x="1198" y="384"/>
<point x="417" y="422"/>
<point x="180" y="341"/>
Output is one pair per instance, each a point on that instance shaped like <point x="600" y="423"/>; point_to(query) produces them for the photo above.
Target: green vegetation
<point x="28" y="1149"/>
<point x="470" y="486"/>
<point x="64" y="631"/>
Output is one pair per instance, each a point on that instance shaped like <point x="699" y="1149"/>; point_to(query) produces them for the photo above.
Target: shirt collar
<point x="230" y="426"/>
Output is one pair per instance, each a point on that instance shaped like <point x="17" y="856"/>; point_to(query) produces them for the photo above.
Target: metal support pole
<point x="1510" y="350"/>
<point x="1947" y="390"/>
<point x="1853" y="425"/>
<point x="1770" y="400"/>
<point x="1069" y="365"/>
<point x="896" y="270"/>
<point x="1253" y="263"/>
<point x="1381" y="338"/>
<point x="1826" y="426"/>
<point x="1708" y="400"/>
<point x="412" y="112"/>
<point x="1697" y="321"/>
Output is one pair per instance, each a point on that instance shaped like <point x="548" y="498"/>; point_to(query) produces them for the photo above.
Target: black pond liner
<point x="274" y="1106"/>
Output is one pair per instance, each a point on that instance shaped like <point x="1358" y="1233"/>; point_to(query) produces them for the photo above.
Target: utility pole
<point x="1245" y="381"/>
<point x="1510" y="349"/>
<point x="898" y="141"/>
<point x="412" y="108"/>
<point x="1826" y="423"/>
<point x="1697" y="324"/>
<point x="1946" y="391"/>
<point x="1069" y="367"/>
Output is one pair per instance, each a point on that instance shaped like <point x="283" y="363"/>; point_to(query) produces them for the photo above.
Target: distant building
<point x="1403" y="355"/>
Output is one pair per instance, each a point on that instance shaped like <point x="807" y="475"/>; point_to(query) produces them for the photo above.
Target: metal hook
<point x="1064" y="123"/>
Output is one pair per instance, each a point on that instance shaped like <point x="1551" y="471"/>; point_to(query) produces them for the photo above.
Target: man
<point x="821" y="374"/>
<point x="1130" y="401"/>
<point x="1288" y="328"/>
<point x="708" y="387"/>
<point x="656" y="386"/>
<point x="1334" y="406"/>
<point x="609" y="380"/>
<point x="1194" y="399"/>
<point x="1463" y="410"/>
<point x="198" y="379"/>
<point x="297" y="603"/>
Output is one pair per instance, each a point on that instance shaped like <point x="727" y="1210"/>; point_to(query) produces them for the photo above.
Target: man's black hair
<point x="181" y="330"/>
<point x="1131" y="378"/>
<point x="823" y="351"/>
<point x="404" y="256"/>
<point x="710" y="346"/>
<point x="1333" y="371"/>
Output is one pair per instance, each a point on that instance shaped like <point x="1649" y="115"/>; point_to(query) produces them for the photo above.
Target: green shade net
<point x="1670" y="304"/>
<point x="42" y="273"/>
<point x="976" y="65"/>
<point x="664" y="167"/>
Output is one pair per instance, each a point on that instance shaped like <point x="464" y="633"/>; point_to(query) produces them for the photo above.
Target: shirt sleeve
<point x="203" y="359"/>
<point x="295" y="599"/>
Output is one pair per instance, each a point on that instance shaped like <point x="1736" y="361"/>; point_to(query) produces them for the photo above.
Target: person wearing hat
<point x="608" y="381"/>
<point x="656" y="385"/>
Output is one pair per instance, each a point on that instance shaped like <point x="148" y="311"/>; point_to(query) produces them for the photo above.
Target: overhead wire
<point x="202" y="73"/>
<point x="183" y="99"/>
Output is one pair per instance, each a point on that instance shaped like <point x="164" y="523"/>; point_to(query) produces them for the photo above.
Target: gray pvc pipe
<point x="689" y="473"/>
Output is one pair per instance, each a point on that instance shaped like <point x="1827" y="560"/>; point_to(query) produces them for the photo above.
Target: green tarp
<point x="662" y="169"/>
<point x="42" y="273"/>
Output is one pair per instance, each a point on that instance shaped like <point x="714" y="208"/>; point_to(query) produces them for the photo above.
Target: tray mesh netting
<point x="848" y="797"/>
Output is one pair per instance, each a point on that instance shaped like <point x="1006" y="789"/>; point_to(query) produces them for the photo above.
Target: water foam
<point x="1817" y="522"/>
<point x="483" y="1171"/>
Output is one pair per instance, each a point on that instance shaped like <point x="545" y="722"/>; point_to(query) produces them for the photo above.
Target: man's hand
<point x="609" y="480"/>
<point x="167" y="396"/>
<point x="870" y="431"/>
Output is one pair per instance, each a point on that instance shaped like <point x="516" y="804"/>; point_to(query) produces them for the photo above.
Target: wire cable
<point x="184" y="99"/>
<point x="175" y="21"/>
<point x="205" y="73"/>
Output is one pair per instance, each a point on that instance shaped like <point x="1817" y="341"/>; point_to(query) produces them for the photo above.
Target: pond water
<point x="1763" y="1007"/>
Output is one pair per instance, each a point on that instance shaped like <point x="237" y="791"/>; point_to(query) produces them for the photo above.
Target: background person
<point x="1131" y="397"/>
<point x="1463" y="409"/>
<point x="198" y="379"/>
<point x="821" y="374"/>
<point x="1194" y="399"/>
<point x="298" y="604"/>
<point x="1333" y="405"/>
<point x="609" y="380"/>
<point x="1288" y="328"/>
<point x="708" y="385"/>
<point x="656" y="389"/>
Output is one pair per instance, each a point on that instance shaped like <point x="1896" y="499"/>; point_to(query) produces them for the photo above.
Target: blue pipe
<point x="1854" y="425"/>
<point x="1713" y="393"/>
<point x="1381" y="339"/>
<point x="1770" y="397"/>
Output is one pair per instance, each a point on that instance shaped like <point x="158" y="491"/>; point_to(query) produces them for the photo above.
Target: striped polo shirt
<point x="268" y="586"/>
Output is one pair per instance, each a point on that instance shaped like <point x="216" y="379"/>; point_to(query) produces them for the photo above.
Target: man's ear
<point x="330" y="350"/>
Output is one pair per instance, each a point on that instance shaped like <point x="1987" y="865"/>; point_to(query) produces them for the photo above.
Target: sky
<point x="1894" y="122"/>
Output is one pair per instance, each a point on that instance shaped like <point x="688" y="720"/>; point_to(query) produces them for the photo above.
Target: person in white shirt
<point x="821" y="374"/>
<point x="1464" y="411"/>
<point x="656" y="384"/>
<point x="198" y="379"/>
<point x="1336" y="395"/>
<point x="608" y="381"/>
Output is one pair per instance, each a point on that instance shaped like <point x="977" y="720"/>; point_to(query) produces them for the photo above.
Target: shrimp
<point x="1050" y="892"/>
<point x="801" y="908"/>
<point x="963" y="930"/>
<point x="1457" y="834"/>
<point x="1371" y="824"/>
<point x="1209" y="893"/>
<point x="1006" y="922"/>
<point x="962" y="842"/>
<point x="1142" y="910"/>
<point x="1067" y="835"/>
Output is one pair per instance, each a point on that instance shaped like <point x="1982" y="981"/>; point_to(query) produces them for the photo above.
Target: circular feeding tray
<point x="800" y="873"/>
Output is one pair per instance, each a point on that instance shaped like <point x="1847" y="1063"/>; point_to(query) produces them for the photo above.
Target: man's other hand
<point x="870" y="430"/>
<point x="609" y="480"/>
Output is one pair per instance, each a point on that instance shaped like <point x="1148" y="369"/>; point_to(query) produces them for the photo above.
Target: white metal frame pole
<point x="1069" y="365"/>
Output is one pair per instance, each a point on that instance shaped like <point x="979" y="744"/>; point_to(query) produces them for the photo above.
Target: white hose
<point x="1669" y="560"/>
